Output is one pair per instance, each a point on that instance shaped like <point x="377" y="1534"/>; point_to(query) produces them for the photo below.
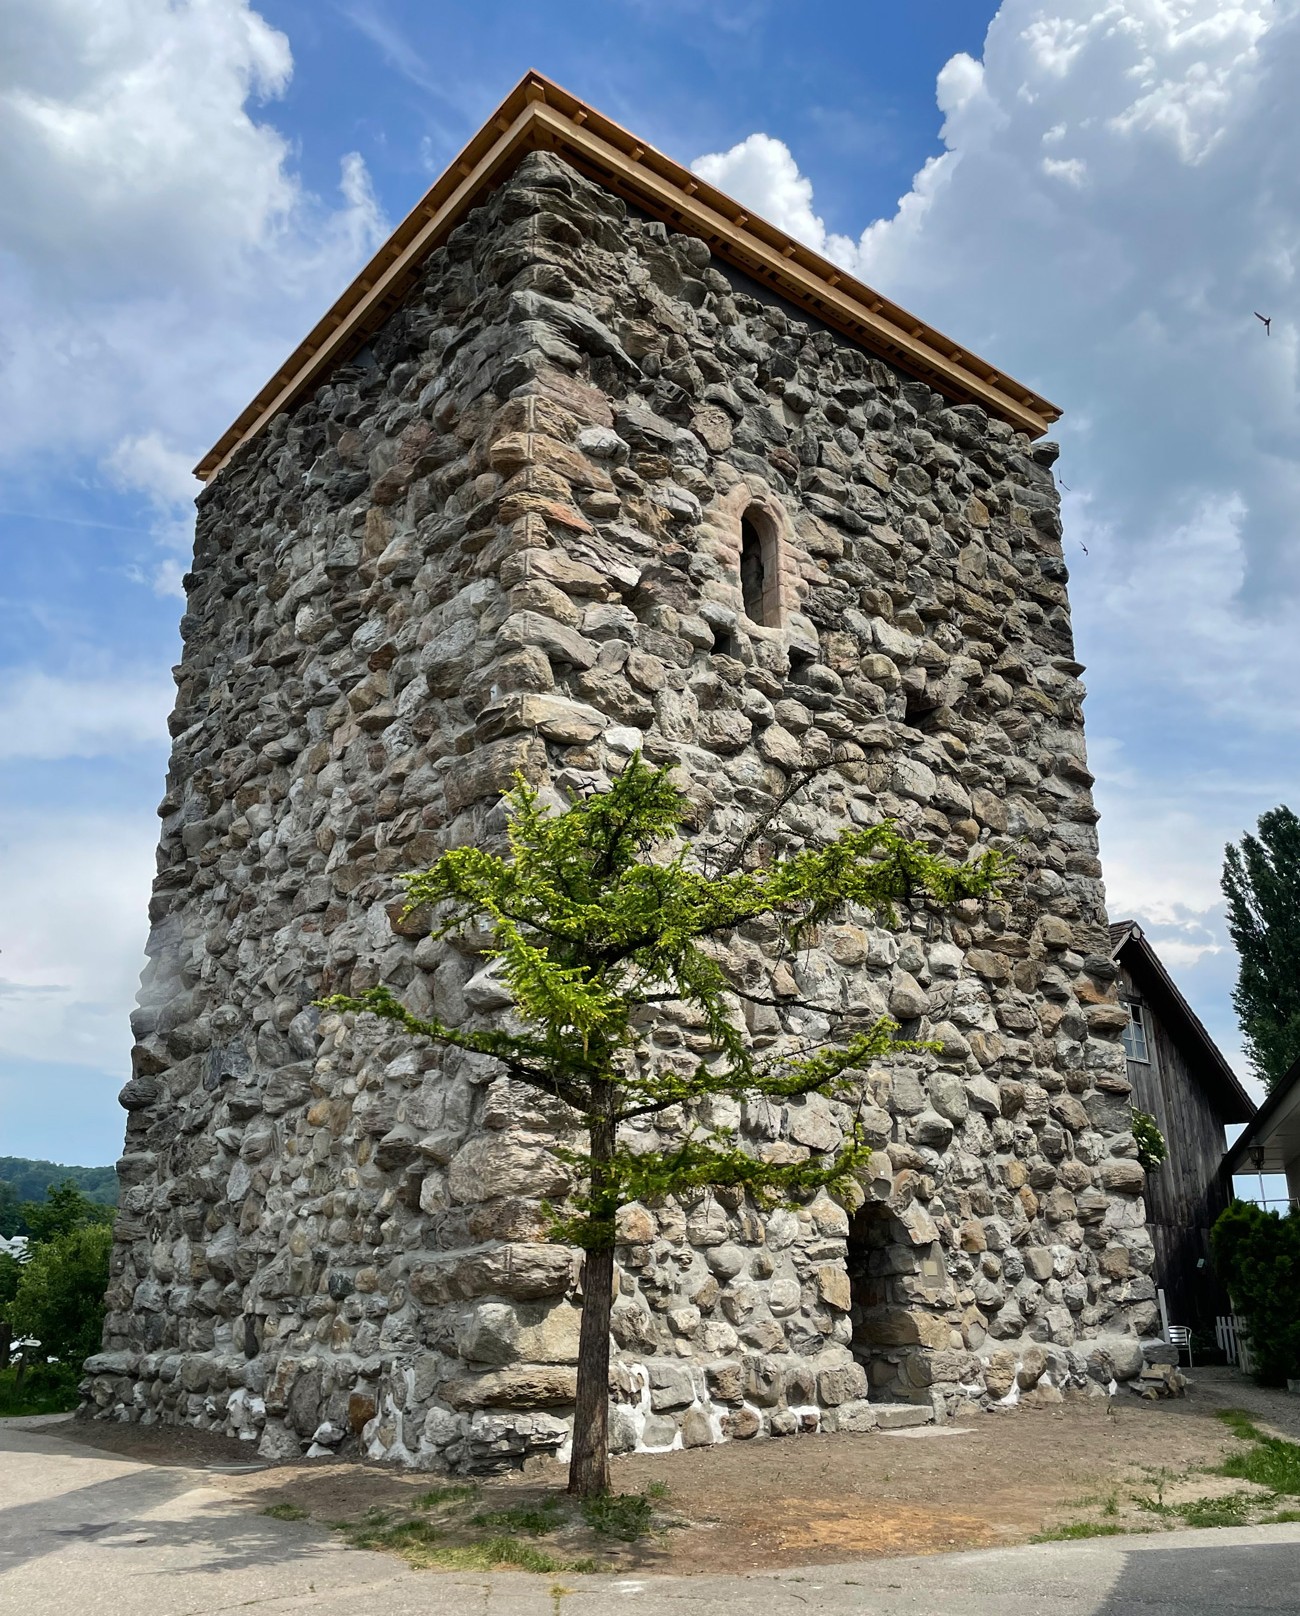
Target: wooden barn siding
<point x="1187" y="1194"/>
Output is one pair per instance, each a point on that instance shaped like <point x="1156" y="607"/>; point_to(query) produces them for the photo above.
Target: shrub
<point x="1152" y="1149"/>
<point x="38" y="1389"/>
<point x="60" y="1293"/>
<point x="1257" y="1256"/>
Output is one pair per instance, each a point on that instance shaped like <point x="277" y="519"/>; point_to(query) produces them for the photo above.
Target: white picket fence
<point x="1229" y="1332"/>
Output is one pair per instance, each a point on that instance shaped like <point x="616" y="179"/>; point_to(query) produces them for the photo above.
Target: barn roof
<point x="1129" y="945"/>
<point x="539" y="115"/>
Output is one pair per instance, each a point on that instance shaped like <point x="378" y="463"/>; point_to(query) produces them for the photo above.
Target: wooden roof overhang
<point x="1129" y="945"/>
<point x="1271" y="1142"/>
<point x="539" y="115"/>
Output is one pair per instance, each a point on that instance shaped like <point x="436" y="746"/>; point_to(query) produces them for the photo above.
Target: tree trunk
<point x="589" y="1460"/>
<point x="6" y="1336"/>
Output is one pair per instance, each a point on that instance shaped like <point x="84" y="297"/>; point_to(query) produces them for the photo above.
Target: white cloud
<point x="1069" y="169"/>
<point x="44" y="717"/>
<point x="1161" y="611"/>
<point x="145" y="464"/>
<point x="158" y="252"/>
<point x="72" y="932"/>
<point x="1114" y="200"/>
<point x="1164" y="840"/>
<point x="168" y="578"/>
<point x="159" y="255"/>
<point x="1119" y="274"/>
<point x="762" y="172"/>
<point x="126" y="156"/>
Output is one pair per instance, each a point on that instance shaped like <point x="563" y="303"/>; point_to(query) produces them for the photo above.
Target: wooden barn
<point x="1179" y="1076"/>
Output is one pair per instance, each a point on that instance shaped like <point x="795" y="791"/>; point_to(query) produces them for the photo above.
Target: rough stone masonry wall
<point x="506" y="536"/>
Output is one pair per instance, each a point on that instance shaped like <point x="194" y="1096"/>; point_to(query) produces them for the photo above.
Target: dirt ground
<point x="991" y="1479"/>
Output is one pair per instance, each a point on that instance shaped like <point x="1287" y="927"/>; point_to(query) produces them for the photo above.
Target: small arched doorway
<point x="894" y="1285"/>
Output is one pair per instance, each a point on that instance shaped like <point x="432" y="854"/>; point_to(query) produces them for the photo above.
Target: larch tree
<point x="1261" y="881"/>
<point x="602" y="918"/>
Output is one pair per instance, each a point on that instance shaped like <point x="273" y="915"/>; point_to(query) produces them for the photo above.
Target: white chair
<point x="1180" y="1336"/>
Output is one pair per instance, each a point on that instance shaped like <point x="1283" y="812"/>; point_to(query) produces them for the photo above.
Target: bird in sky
<point x="1268" y="322"/>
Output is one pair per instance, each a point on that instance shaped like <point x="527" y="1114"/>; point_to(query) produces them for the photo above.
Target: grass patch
<point x="1271" y="1462"/>
<point x="462" y="1493"/>
<point x="495" y="1553"/>
<point x="45" y="1389"/>
<point x="424" y="1545"/>
<point x="285" y="1512"/>
<point x="1154" y="1502"/>
<point x="1107" y="1503"/>
<point x="535" y="1519"/>
<point x="1078" y="1529"/>
<point x="467" y="1536"/>
<point x="627" y="1516"/>
<point x="1239" y="1423"/>
<point x="1235" y="1509"/>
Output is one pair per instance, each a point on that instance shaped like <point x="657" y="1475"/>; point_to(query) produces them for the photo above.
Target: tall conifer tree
<point x="1261" y="881"/>
<point x="603" y="919"/>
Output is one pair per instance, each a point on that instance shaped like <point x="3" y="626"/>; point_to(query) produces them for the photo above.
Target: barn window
<point x="1135" y="1034"/>
<point x="759" y="568"/>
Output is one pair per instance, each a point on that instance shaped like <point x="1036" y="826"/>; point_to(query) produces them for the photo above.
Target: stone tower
<point x="588" y="460"/>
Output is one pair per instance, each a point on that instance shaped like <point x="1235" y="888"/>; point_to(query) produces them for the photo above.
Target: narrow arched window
<point x="759" y="586"/>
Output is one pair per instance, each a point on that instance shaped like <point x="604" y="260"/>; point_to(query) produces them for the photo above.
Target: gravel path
<point x="1227" y="1388"/>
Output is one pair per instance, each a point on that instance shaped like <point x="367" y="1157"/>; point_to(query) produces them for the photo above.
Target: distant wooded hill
<point x="29" y="1180"/>
<point x="22" y="1179"/>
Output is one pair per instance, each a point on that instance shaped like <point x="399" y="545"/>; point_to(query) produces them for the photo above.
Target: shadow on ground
<point x="1261" y="1577"/>
<point x="217" y="1537"/>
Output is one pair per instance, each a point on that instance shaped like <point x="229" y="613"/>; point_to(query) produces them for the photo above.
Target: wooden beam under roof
<point x="539" y="115"/>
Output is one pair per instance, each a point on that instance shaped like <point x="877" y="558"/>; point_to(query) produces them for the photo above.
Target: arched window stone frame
<point x="782" y="587"/>
<point x="760" y="566"/>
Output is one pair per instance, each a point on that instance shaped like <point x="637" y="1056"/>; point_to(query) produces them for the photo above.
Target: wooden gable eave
<point x="1130" y="948"/>
<point x="539" y="115"/>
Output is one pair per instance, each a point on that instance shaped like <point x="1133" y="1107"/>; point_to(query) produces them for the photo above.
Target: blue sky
<point x="852" y="86"/>
<point x="1098" y="205"/>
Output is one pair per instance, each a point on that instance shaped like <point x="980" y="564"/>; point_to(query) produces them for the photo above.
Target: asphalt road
<point x="91" y="1534"/>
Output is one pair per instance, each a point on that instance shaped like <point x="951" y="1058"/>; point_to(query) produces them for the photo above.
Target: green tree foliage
<point x="11" y="1212"/>
<point x="1257" y="1256"/>
<point x="59" y="1300"/>
<point x="25" y="1180"/>
<point x="58" y="1259"/>
<point x="64" y="1208"/>
<point x="604" y="921"/>
<point x="1261" y="881"/>
<point x="10" y="1273"/>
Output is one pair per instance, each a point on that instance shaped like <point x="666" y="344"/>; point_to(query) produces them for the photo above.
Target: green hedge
<point x="1257" y="1256"/>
